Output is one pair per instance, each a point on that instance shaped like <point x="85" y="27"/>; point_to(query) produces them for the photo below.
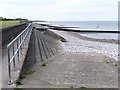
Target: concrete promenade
<point x="63" y="69"/>
<point x="58" y="59"/>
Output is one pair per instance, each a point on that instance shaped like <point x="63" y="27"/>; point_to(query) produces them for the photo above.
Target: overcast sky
<point x="60" y="10"/>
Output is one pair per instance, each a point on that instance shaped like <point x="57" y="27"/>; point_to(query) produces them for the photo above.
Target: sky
<point x="60" y="10"/>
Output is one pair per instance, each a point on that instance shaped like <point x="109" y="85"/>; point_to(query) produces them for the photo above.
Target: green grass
<point x="26" y="73"/>
<point x="18" y="82"/>
<point x="82" y="86"/>
<point x="43" y="64"/>
<point x="9" y="23"/>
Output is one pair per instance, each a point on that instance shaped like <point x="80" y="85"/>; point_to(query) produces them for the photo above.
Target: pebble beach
<point x="77" y="45"/>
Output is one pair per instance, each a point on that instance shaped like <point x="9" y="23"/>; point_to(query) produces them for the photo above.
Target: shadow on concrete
<point x="30" y="59"/>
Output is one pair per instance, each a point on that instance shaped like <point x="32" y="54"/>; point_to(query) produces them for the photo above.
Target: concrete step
<point x="52" y="42"/>
<point x="46" y="45"/>
<point x="41" y="48"/>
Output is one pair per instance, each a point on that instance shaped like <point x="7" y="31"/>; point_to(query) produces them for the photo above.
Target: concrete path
<point x="0" y="67"/>
<point x="4" y="62"/>
<point x="90" y="70"/>
<point x="74" y="70"/>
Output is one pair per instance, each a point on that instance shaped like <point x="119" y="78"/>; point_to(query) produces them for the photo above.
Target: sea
<point x="101" y="25"/>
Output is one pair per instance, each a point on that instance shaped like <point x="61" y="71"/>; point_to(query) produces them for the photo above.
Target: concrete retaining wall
<point x="54" y="35"/>
<point x="9" y="33"/>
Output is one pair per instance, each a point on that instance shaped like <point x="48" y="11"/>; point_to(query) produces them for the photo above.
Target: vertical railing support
<point x="9" y="68"/>
<point x="18" y="48"/>
<point x="20" y="43"/>
<point x="14" y="57"/>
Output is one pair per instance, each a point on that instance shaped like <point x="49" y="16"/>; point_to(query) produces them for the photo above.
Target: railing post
<point x="25" y="36"/>
<point x="20" y="43"/>
<point x="14" y="57"/>
<point x="9" y="67"/>
<point x="18" y="48"/>
<point x="23" y="39"/>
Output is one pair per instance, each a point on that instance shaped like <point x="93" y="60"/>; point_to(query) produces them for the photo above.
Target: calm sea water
<point x="102" y="36"/>
<point x="107" y="25"/>
<point x="111" y="25"/>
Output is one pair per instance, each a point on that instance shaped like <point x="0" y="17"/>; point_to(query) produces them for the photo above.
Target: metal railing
<point x="15" y="48"/>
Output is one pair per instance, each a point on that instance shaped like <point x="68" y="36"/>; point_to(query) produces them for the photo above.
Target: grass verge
<point x="26" y="73"/>
<point x="9" y="23"/>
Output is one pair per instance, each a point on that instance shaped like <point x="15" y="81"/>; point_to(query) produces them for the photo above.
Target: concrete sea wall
<point x="9" y="33"/>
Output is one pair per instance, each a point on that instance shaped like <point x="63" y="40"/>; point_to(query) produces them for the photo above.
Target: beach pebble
<point x="75" y="44"/>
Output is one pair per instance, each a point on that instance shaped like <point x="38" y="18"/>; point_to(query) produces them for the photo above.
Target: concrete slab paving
<point x="74" y="70"/>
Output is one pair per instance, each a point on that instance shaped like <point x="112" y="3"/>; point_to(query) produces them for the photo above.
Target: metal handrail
<point x="20" y="39"/>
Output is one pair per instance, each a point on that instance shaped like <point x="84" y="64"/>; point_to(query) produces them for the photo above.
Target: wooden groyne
<point x="80" y="30"/>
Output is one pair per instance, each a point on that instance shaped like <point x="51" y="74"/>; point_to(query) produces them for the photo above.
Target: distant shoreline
<point x="94" y="39"/>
